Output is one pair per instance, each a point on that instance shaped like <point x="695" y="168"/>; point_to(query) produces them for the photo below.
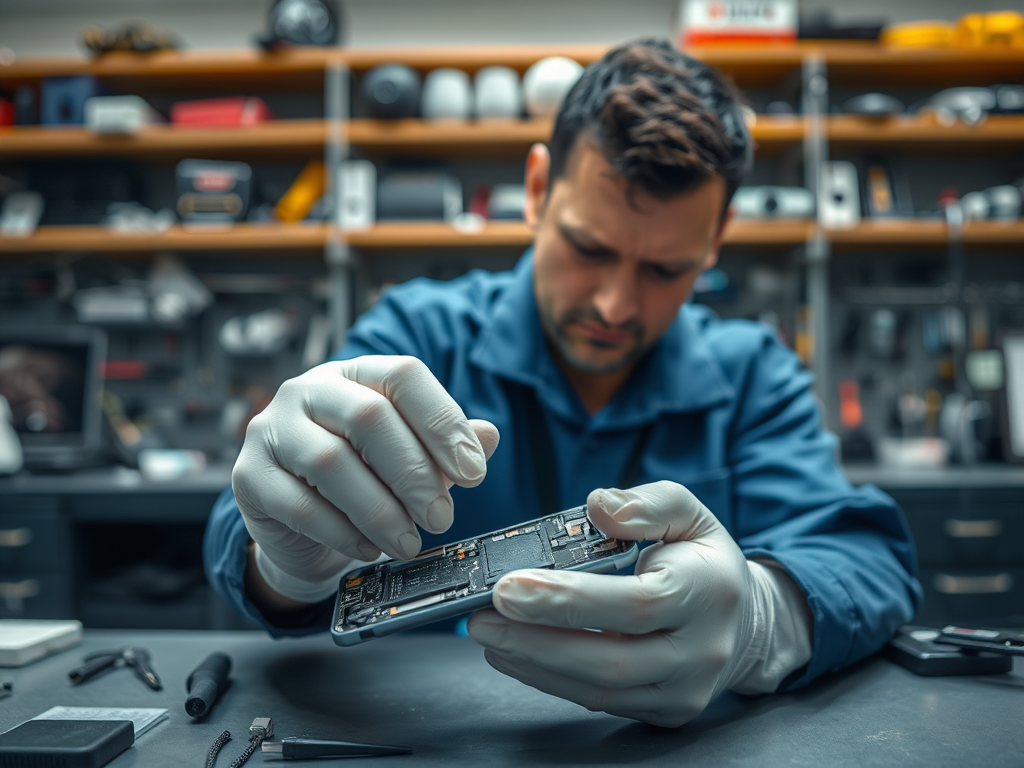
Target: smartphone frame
<point x="459" y="605"/>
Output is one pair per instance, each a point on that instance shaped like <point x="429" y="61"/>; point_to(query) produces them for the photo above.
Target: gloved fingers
<point x="428" y="409"/>
<point x="332" y="465"/>
<point x="298" y="555"/>
<point x="634" y="605"/>
<point x="318" y="520"/>
<point x="648" y="703"/>
<point x="383" y="439"/>
<point x="606" y="659"/>
<point x="662" y="511"/>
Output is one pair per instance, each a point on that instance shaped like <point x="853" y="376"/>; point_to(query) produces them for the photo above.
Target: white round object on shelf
<point x="498" y="93"/>
<point x="546" y="83"/>
<point x="447" y="95"/>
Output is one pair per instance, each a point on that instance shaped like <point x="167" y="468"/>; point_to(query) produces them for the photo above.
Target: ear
<point x="712" y="258"/>
<point x="538" y="164"/>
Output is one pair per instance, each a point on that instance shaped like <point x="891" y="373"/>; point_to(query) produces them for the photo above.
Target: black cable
<point x="261" y="728"/>
<point x="254" y="743"/>
<point x="211" y="756"/>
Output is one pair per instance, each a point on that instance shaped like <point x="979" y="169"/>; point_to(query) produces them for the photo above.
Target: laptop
<point x="52" y="379"/>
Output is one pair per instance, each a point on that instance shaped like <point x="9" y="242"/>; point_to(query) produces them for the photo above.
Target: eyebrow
<point x="577" y="236"/>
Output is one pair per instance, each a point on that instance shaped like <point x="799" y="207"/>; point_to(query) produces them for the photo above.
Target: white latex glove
<point x="695" y="620"/>
<point x="344" y="463"/>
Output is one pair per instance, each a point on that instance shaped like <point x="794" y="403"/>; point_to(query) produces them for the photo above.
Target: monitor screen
<point x="50" y="379"/>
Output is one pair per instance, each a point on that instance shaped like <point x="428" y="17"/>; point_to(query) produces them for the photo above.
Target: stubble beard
<point x="557" y="332"/>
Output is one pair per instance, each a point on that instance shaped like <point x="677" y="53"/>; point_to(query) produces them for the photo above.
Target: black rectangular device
<point x="390" y="596"/>
<point x="915" y="648"/>
<point x="65" y="743"/>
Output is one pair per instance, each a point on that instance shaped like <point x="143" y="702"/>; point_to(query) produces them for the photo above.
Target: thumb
<point x="662" y="511"/>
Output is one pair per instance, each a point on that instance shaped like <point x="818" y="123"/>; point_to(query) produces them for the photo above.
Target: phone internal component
<point x="523" y="550"/>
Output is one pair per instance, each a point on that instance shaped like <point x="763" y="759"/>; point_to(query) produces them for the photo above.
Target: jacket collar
<point x="679" y="373"/>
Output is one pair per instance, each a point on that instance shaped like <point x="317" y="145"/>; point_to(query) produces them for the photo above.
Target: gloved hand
<point x="344" y="463"/>
<point x="696" y="619"/>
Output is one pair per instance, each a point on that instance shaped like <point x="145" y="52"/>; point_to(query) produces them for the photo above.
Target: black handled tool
<point x="131" y="656"/>
<point x="293" y="748"/>
<point x="1009" y="643"/>
<point x="206" y="683"/>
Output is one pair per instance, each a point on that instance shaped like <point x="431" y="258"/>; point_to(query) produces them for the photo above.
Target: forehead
<point x="593" y="197"/>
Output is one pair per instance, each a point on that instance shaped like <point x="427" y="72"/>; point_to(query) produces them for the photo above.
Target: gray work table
<point x="436" y="694"/>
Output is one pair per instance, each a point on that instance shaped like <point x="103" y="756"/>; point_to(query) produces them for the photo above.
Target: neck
<point x="595" y="390"/>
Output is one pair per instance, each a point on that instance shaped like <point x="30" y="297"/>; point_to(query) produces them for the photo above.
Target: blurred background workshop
<point x="198" y="198"/>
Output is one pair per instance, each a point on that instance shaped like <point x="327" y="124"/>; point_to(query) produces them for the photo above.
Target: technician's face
<point x="610" y="273"/>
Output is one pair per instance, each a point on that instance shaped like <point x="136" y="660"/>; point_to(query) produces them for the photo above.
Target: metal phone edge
<point x="349" y="637"/>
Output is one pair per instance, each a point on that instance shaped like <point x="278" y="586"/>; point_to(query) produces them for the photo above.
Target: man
<point x="768" y="568"/>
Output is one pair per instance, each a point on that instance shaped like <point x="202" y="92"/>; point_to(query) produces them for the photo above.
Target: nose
<point x="616" y="299"/>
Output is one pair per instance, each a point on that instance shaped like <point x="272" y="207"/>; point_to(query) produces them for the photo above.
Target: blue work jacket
<point x="732" y="417"/>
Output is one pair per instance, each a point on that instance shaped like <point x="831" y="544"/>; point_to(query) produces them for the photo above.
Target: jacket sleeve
<point x="849" y="549"/>
<point x="385" y="330"/>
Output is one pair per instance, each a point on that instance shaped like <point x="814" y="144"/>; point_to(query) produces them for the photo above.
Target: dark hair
<point x="664" y="120"/>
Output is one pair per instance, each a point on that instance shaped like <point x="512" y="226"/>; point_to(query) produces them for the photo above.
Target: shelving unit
<point x="326" y="71"/>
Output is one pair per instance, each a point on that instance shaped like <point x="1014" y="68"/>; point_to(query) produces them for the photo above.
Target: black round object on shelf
<point x="301" y="22"/>
<point x="873" y="105"/>
<point x="392" y="91"/>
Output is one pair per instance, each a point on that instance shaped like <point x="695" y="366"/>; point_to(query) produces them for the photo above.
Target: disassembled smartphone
<point x="388" y="597"/>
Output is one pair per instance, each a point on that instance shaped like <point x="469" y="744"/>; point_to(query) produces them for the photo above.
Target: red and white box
<point x="737" y="21"/>
<point x="234" y="112"/>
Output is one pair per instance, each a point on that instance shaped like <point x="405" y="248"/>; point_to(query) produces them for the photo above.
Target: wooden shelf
<point x="280" y="137"/>
<point x="307" y="137"/>
<point x="910" y="132"/>
<point x="474" y="138"/>
<point x="296" y="69"/>
<point x="490" y="137"/>
<point x="248" y="237"/>
<point x="913" y="233"/>
<point x="409" y="235"/>
<point x="926" y="233"/>
<point x="447" y="137"/>
<point x="849" y="63"/>
<point x="867" y="63"/>
<point x="435" y="234"/>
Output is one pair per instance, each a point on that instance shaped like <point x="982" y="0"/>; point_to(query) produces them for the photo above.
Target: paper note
<point x="143" y="718"/>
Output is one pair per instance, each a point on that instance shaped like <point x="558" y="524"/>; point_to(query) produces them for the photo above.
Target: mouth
<point x="601" y="335"/>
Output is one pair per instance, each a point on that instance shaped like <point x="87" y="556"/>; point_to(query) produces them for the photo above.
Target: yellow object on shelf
<point x="1001" y="29"/>
<point x="302" y="195"/>
<point x="919" y="34"/>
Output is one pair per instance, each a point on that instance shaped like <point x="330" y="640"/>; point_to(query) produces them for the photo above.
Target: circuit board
<point x="378" y="592"/>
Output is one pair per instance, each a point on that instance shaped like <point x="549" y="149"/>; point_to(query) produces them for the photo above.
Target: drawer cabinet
<point x="36" y="570"/>
<point x="970" y="548"/>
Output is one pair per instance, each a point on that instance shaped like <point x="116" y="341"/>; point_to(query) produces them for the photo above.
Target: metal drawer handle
<point x="18" y="590"/>
<point x="15" y="593"/>
<point x="15" y="537"/>
<point x="973" y="529"/>
<point x="973" y="585"/>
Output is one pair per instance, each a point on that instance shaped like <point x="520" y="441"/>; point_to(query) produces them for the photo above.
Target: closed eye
<point x="666" y="274"/>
